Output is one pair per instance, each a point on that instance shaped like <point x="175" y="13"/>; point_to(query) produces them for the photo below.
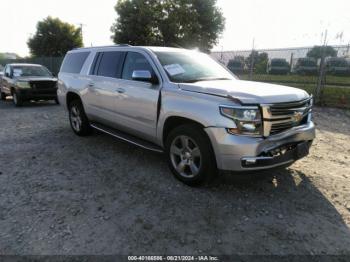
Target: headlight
<point x="23" y="84"/>
<point x="247" y="119"/>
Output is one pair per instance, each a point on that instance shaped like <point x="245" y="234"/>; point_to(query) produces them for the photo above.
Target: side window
<point x="73" y="62"/>
<point x="110" y="64"/>
<point x="135" y="61"/>
<point x="8" y="70"/>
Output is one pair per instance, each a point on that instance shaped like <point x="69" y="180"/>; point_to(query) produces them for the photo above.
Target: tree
<point x="54" y="38"/>
<point x="184" y="23"/>
<point x="260" y="61"/>
<point x="316" y="52"/>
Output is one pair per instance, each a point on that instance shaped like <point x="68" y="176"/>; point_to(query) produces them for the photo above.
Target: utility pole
<point x="252" y="62"/>
<point x="321" y="76"/>
<point x="81" y="25"/>
<point x="221" y="55"/>
<point x="291" y="61"/>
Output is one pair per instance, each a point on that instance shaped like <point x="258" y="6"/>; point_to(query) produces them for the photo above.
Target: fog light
<point x="249" y="127"/>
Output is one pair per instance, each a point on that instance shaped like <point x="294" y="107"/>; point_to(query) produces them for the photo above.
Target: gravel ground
<point x="63" y="194"/>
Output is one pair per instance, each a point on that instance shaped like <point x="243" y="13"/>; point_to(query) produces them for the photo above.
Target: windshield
<point x="19" y="71"/>
<point x="191" y="66"/>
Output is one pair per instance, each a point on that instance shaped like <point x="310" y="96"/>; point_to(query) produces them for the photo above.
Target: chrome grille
<point x="280" y="117"/>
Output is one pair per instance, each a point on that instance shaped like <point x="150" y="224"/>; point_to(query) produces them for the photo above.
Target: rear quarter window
<point x="73" y="62"/>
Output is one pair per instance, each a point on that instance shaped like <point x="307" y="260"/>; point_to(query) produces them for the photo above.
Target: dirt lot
<point x="62" y="194"/>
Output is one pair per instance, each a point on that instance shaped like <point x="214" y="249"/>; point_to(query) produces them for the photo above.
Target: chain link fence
<point x="327" y="78"/>
<point x="52" y="63"/>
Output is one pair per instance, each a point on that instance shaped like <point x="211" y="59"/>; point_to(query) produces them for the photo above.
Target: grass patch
<point x="330" y="80"/>
<point x="336" y="93"/>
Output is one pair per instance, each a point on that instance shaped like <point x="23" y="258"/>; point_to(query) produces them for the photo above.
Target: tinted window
<point x="109" y="64"/>
<point x="135" y="61"/>
<point x="73" y="62"/>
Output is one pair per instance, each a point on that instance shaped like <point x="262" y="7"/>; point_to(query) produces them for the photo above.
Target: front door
<point x="136" y="102"/>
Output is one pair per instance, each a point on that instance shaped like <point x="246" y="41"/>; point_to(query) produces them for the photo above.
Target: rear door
<point x="137" y="101"/>
<point x="104" y="84"/>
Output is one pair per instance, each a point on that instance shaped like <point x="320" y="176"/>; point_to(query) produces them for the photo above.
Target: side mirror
<point x="141" y="75"/>
<point x="144" y="75"/>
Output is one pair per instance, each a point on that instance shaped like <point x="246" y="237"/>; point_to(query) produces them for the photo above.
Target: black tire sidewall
<point x="85" y="125"/>
<point x="208" y="163"/>
<point x="18" y="99"/>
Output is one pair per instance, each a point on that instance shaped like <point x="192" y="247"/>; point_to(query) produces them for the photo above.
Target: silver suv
<point x="185" y="104"/>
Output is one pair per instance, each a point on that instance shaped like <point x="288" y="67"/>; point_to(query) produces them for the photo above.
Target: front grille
<point x="283" y="116"/>
<point x="39" y="85"/>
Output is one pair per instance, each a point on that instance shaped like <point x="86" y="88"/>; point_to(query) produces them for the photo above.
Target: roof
<point x="164" y="49"/>
<point x="23" y="64"/>
<point x="106" y="46"/>
<point x="152" y="48"/>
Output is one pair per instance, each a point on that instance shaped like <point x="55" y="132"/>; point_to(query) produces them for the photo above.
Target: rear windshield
<point x="235" y="63"/>
<point x="306" y="62"/>
<point x="21" y="71"/>
<point x="340" y="63"/>
<point x="73" y="62"/>
<point x="279" y="63"/>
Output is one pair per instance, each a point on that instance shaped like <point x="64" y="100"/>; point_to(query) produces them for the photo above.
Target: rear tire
<point x="190" y="155"/>
<point x="17" y="99"/>
<point x="78" y="119"/>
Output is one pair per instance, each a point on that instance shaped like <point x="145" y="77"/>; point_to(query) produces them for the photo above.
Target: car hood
<point x="35" y="78"/>
<point x="248" y="92"/>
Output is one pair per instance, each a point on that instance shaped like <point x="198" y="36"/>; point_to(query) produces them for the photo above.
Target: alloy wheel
<point x="185" y="156"/>
<point x="75" y="118"/>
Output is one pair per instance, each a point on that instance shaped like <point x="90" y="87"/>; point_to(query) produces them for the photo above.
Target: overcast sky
<point x="272" y="23"/>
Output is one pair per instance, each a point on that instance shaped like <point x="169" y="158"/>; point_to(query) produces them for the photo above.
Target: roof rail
<point x="78" y="48"/>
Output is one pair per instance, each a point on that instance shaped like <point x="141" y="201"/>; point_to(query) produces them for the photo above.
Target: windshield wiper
<point x="205" y="79"/>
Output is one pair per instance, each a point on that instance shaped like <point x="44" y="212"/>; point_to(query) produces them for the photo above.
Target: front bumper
<point x="241" y="153"/>
<point x="30" y="94"/>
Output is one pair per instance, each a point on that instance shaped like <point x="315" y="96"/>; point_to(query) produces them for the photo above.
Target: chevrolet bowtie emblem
<point x="297" y="117"/>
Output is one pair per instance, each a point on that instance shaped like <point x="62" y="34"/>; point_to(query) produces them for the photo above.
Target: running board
<point x="128" y="138"/>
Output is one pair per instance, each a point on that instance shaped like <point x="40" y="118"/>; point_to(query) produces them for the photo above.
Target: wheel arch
<point x="71" y="96"/>
<point x="173" y="121"/>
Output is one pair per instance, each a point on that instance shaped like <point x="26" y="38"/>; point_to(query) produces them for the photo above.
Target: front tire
<point x="3" y="96"/>
<point x="190" y="155"/>
<point x="17" y="99"/>
<point x="78" y="119"/>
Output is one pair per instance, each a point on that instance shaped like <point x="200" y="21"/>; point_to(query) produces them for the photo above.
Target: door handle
<point x="91" y="84"/>
<point x="120" y="90"/>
